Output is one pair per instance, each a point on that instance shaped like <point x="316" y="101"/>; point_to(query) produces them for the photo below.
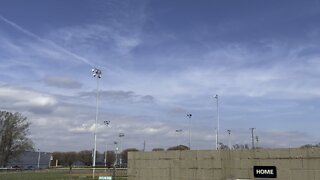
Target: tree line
<point x="84" y="158"/>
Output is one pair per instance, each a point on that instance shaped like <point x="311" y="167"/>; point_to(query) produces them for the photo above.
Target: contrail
<point x="16" y="26"/>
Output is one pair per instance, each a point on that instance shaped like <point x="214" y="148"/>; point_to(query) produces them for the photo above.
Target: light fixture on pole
<point x="106" y="123"/>
<point x="218" y="122"/>
<point x="97" y="74"/>
<point x="121" y="135"/>
<point x="189" y="115"/>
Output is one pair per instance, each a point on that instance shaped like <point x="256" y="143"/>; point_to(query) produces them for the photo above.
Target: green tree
<point x="14" y="129"/>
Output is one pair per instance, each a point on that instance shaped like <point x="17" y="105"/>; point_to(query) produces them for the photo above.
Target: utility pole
<point x="252" y="137"/>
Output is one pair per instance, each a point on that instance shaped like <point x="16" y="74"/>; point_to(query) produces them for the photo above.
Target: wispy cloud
<point x="118" y="96"/>
<point x="62" y="82"/>
<point x="45" y="41"/>
<point x="156" y="69"/>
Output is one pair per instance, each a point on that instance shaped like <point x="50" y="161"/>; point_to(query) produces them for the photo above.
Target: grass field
<point x="50" y="175"/>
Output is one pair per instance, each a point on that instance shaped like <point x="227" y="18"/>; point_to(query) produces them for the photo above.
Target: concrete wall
<point x="291" y="164"/>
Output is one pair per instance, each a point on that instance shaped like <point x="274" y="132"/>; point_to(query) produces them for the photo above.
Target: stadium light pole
<point x="189" y="115"/>
<point x="179" y="131"/>
<point x="39" y="156"/>
<point x="116" y="152"/>
<point x="229" y="132"/>
<point x="218" y="122"/>
<point x="105" y="156"/>
<point x="215" y="131"/>
<point x="121" y="135"/>
<point x="252" y="137"/>
<point x="97" y="74"/>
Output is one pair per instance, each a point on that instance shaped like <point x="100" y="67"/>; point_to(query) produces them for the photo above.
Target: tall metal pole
<point x="144" y="145"/>
<point x="215" y="131"/>
<point x="189" y="115"/>
<point x="96" y="73"/>
<point x="229" y="132"/>
<point x="120" y="136"/>
<point x="252" y="138"/>
<point x="105" y="157"/>
<point x="179" y="131"/>
<point x="39" y="159"/>
<point x="116" y="152"/>
<point x="218" y="122"/>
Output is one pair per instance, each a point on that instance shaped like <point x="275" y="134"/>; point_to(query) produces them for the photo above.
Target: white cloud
<point x="23" y="97"/>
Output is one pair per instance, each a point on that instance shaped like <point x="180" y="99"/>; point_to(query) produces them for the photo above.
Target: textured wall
<point x="291" y="164"/>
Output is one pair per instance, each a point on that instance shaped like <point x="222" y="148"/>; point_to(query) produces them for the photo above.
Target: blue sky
<point x="160" y="61"/>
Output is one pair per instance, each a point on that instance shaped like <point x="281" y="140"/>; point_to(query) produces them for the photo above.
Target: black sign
<point x="265" y="171"/>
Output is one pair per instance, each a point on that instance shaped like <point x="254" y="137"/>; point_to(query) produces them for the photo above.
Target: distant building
<point x="29" y="160"/>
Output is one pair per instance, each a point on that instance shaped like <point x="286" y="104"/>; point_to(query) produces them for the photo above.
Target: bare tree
<point x="124" y="154"/>
<point x="241" y="146"/>
<point x="66" y="158"/>
<point x="69" y="158"/>
<point x="223" y="146"/>
<point x="14" y="130"/>
<point x="157" y="149"/>
<point x="180" y="147"/>
<point x="310" y="146"/>
<point x="85" y="157"/>
<point x="57" y="156"/>
<point x="111" y="158"/>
